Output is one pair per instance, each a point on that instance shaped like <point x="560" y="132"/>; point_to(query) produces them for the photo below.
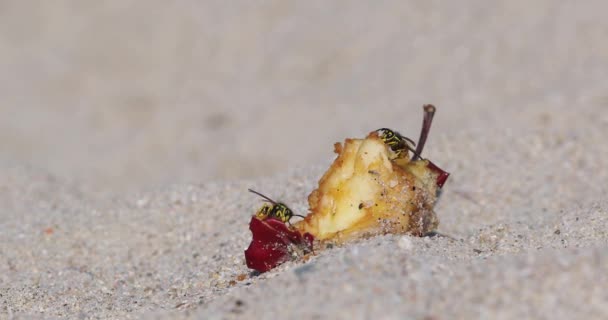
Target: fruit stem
<point x="429" y="112"/>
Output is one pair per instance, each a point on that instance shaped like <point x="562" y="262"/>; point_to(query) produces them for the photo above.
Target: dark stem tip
<point x="427" y="120"/>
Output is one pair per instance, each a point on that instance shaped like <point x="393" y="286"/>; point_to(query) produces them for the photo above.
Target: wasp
<point x="398" y="143"/>
<point x="274" y="209"/>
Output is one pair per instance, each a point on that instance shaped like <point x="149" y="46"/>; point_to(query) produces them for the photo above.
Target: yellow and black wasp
<point x="398" y="143"/>
<point x="274" y="209"/>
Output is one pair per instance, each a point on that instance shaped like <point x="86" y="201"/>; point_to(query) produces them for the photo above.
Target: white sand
<point x="130" y="135"/>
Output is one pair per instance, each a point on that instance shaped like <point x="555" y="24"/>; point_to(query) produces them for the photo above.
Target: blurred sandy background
<point x="131" y="130"/>
<point x="124" y="94"/>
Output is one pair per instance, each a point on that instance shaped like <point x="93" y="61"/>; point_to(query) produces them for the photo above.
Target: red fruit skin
<point x="271" y="243"/>
<point x="442" y="176"/>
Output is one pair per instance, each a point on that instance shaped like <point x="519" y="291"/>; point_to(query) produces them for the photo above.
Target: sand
<point x="130" y="133"/>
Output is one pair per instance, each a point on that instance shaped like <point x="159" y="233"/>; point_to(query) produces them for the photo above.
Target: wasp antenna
<point x="299" y="215"/>
<point x="416" y="155"/>
<point x="263" y="196"/>
<point x="409" y="140"/>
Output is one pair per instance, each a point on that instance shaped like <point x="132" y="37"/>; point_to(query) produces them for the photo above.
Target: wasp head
<point x="398" y="143"/>
<point x="264" y="211"/>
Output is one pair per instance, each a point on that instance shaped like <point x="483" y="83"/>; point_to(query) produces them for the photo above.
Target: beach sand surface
<point x="131" y="131"/>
